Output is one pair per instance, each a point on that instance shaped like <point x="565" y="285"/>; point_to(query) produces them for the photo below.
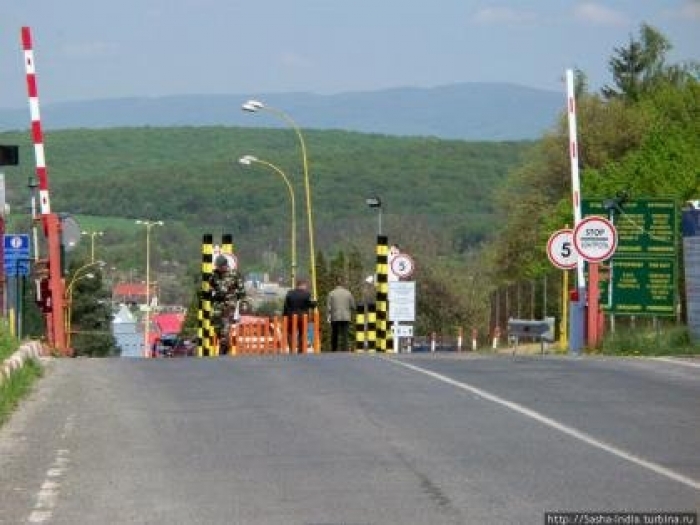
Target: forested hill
<point x="473" y="111"/>
<point x="436" y="193"/>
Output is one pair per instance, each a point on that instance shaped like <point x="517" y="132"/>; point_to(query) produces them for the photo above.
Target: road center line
<point x="47" y="497"/>
<point x="564" y="429"/>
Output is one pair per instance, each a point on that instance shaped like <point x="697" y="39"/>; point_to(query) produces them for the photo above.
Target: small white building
<point x="128" y="339"/>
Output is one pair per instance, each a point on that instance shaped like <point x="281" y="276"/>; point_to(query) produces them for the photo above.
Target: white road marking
<point x="569" y="431"/>
<point x="48" y="494"/>
<point x="677" y="361"/>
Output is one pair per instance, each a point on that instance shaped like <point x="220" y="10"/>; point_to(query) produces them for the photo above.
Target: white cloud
<point x="598" y="14"/>
<point x="502" y="15"/>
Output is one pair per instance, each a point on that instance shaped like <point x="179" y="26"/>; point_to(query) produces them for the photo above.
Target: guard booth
<point x="532" y="329"/>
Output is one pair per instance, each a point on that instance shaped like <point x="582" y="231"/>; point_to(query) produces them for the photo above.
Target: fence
<point x="255" y="335"/>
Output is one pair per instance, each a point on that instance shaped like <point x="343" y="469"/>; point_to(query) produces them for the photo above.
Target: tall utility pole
<point x="147" y="312"/>
<point x="53" y="299"/>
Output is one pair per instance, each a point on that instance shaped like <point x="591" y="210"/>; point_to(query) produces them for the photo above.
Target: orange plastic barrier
<point x="255" y="335"/>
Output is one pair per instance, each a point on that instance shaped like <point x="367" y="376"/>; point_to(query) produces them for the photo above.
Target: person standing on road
<point x="297" y="302"/>
<point x="341" y="306"/>
<point x="227" y="290"/>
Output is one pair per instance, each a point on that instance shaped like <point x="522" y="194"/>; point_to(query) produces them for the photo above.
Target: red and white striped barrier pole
<point x="578" y="314"/>
<point x="55" y="302"/>
<point x="37" y="135"/>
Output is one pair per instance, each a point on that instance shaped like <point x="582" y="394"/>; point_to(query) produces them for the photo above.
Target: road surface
<point x="351" y="439"/>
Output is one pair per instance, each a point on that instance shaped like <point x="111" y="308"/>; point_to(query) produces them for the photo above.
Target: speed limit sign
<point x="402" y="265"/>
<point x="561" y="250"/>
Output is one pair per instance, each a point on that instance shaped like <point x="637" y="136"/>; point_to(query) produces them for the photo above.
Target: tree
<point x="91" y="315"/>
<point x="641" y="66"/>
<point x="646" y="143"/>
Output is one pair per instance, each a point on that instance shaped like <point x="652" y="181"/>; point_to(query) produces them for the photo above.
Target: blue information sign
<point x="16" y="254"/>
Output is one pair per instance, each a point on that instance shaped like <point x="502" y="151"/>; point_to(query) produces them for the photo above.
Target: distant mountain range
<point x="472" y="111"/>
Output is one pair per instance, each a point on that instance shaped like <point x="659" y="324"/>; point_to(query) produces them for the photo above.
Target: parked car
<point x="172" y="345"/>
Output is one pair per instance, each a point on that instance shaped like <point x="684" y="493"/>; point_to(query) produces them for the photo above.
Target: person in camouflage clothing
<point x="227" y="290"/>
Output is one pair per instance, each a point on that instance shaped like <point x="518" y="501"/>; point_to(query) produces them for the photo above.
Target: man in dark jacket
<point x="298" y="302"/>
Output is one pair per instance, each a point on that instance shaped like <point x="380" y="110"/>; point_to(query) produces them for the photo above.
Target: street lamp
<point x="69" y="304"/>
<point x="147" y="319"/>
<point x="247" y="160"/>
<point x="92" y="235"/>
<point x="68" y="293"/>
<point x="254" y="106"/>
<point x="376" y="202"/>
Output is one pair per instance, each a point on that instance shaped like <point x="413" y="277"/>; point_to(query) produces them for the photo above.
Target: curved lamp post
<point x="255" y="106"/>
<point x="68" y="294"/>
<point x="147" y="318"/>
<point x="69" y="305"/>
<point x="92" y="235"/>
<point x="248" y="160"/>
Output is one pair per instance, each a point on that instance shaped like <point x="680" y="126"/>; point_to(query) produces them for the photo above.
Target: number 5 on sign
<point x="561" y="250"/>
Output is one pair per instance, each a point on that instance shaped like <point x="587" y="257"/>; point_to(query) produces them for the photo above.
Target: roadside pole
<point x="578" y="301"/>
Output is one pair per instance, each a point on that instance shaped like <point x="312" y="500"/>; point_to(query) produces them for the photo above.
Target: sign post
<point x="402" y="307"/>
<point x="16" y="265"/>
<point x="595" y="239"/>
<point x="562" y="254"/>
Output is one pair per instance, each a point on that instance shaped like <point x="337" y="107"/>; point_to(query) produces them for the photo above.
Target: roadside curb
<point x="26" y="351"/>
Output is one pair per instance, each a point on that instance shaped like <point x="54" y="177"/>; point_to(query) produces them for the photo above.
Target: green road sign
<point x="644" y="266"/>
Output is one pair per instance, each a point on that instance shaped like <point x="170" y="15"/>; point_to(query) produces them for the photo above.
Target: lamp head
<point x="373" y="202"/>
<point x="252" y="106"/>
<point x="247" y="160"/>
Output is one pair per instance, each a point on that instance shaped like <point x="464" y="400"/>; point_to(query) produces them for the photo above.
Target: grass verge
<point x="17" y="386"/>
<point x="674" y="341"/>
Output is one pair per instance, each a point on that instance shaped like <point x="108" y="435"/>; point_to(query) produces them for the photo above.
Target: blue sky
<point x="92" y="49"/>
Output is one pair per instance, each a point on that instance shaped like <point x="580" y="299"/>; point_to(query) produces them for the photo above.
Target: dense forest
<point x="476" y="216"/>
<point x="435" y="193"/>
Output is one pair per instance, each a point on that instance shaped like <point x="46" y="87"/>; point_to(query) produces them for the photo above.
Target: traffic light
<point x="9" y="155"/>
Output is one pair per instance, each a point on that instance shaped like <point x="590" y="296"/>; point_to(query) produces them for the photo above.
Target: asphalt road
<point x="351" y="439"/>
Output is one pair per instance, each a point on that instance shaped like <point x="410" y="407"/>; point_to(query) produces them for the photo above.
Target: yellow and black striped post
<point x="366" y="328"/>
<point x="226" y="247"/>
<point x="204" y="340"/>
<point x="382" y="288"/>
<point x="360" y="330"/>
<point x="371" y="327"/>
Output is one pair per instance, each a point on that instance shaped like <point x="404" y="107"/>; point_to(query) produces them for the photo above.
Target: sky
<point x="93" y="49"/>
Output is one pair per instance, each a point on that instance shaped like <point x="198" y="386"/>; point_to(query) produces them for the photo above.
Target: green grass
<point x="8" y="343"/>
<point x="114" y="224"/>
<point x="673" y="341"/>
<point x="12" y="390"/>
<point x="17" y="387"/>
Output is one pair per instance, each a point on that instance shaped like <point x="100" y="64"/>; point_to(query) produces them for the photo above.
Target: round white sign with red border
<point x="561" y="250"/>
<point x="231" y="258"/>
<point x="402" y="265"/>
<point x="595" y="239"/>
